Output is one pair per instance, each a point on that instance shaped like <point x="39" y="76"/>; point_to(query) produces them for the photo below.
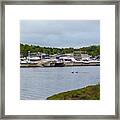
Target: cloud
<point x="60" y="33"/>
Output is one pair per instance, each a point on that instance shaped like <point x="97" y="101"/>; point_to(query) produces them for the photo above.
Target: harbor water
<point x="38" y="83"/>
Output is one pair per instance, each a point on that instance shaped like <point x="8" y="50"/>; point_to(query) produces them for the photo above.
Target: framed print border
<point x="55" y="2"/>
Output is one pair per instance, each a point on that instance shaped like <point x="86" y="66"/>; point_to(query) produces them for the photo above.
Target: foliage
<point x="91" y="50"/>
<point x="87" y="93"/>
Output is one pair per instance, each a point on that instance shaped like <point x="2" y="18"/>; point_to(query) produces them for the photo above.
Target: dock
<point x="53" y="64"/>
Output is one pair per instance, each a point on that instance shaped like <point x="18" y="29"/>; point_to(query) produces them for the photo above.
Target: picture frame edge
<point x="2" y="79"/>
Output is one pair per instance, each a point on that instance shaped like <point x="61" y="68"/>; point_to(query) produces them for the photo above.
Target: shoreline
<point x="90" y="92"/>
<point x="55" y="67"/>
<point x="74" y="65"/>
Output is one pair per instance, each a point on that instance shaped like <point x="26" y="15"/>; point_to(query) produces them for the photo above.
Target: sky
<point x="60" y="33"/>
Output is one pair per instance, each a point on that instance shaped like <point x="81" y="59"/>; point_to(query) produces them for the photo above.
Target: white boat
<point x="68" y="59"/>
<point x="33" y="58"/>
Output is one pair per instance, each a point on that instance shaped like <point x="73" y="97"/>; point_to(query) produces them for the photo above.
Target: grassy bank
<point x="87" y="93"/>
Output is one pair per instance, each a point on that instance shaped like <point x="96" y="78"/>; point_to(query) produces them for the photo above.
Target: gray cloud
<point x="60" y="33"/>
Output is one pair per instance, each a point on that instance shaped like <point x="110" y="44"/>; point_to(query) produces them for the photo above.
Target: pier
<point x="62" y="64"/>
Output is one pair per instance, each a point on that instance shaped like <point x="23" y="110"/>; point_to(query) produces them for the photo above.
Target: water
<point x="40" y="83"/>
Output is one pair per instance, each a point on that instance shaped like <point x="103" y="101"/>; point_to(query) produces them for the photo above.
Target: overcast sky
<point x="60" y="33"/>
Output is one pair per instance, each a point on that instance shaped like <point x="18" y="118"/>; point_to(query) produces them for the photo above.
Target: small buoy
<point x="72" y="72"/>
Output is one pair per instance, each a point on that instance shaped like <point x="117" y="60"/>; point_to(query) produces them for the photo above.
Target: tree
<point x="93" y="50"/>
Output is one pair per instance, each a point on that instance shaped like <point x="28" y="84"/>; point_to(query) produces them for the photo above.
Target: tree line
<point x="93" y="50"/>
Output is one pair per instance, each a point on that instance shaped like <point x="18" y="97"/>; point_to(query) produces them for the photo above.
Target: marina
<point x="66" y="60"/>
<point x="58" y="56"/>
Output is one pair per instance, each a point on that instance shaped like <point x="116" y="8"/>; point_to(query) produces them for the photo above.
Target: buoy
<point x="72" y="72"/>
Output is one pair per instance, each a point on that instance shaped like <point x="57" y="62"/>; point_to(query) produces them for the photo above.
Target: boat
<point x="33" y="58"/>
<point x="48" y="64"/>
<point x="59" y="64"/>
<point x="28" y="63"/>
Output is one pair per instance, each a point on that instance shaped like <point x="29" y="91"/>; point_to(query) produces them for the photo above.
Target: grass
<point x="87" y="93"/>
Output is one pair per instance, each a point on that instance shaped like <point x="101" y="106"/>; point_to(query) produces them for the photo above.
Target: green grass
<point x="88" y="93"/>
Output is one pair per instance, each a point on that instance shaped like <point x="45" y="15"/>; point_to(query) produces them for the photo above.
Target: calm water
<point x="40" y="83"/>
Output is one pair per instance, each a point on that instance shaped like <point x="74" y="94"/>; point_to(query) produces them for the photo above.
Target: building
<point x="77" y="55"/>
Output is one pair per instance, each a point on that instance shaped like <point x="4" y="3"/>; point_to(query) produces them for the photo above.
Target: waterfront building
<point x="77" y="55"/>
